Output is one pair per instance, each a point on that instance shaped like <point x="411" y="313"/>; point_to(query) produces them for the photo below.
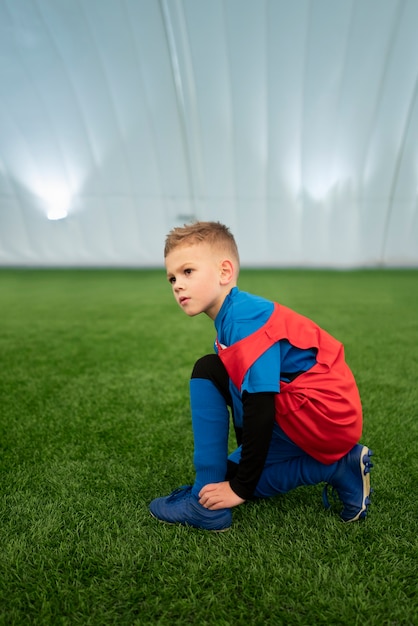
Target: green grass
<point x="94" y="423"/>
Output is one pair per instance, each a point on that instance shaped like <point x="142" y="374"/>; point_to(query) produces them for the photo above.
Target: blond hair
<point x="213" y="233"/>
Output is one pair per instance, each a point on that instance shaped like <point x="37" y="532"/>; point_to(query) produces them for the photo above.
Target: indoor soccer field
<point x="195" y="140"/>
<point x="95" y="423"/>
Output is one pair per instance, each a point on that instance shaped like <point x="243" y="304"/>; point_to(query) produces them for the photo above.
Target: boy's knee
<point x="210" y="367"/>
<point x="207" y="366"/>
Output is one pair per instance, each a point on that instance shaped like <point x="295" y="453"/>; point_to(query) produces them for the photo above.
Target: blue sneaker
<point x="182" y="507"/>
<point x="351" y="481"/>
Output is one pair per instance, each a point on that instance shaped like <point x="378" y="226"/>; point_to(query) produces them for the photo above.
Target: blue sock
<point x="210" y="421"/>
<point x="287" y="475"/>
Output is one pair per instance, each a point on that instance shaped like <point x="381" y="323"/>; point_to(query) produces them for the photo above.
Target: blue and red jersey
<point x="267" y="347"/>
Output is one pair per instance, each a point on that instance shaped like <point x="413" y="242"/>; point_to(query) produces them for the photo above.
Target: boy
<point x="295" y="405"/>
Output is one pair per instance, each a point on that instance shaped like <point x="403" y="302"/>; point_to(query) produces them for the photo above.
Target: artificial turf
<point x="94" y="423"/>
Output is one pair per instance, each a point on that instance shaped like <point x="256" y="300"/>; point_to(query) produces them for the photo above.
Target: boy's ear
<point x="226" y="271"/>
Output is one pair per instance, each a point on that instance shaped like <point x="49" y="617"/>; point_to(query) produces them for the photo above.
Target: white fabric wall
<point x="295" y="122"/>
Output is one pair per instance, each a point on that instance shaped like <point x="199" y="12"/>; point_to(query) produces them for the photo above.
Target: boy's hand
<point x="219" y="496"/>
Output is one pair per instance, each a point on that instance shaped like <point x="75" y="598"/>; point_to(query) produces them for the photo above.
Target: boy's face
<point x="200" y="278"/>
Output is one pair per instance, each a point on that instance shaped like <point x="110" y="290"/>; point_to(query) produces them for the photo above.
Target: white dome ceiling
<point x="295" y="123"/>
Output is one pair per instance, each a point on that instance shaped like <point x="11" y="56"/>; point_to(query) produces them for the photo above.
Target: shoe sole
<point x="210" y="530"/>
<point x="365" y="467"/>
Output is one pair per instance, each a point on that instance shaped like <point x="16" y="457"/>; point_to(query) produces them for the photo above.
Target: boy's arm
<point x="258" y="421"/>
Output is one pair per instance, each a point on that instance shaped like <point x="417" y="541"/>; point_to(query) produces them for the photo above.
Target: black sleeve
<point x="258" y="422"/>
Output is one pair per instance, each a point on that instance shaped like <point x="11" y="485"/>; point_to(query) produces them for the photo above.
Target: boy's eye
<point x="188" y="272"/>
<point x="171" y="280"/>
